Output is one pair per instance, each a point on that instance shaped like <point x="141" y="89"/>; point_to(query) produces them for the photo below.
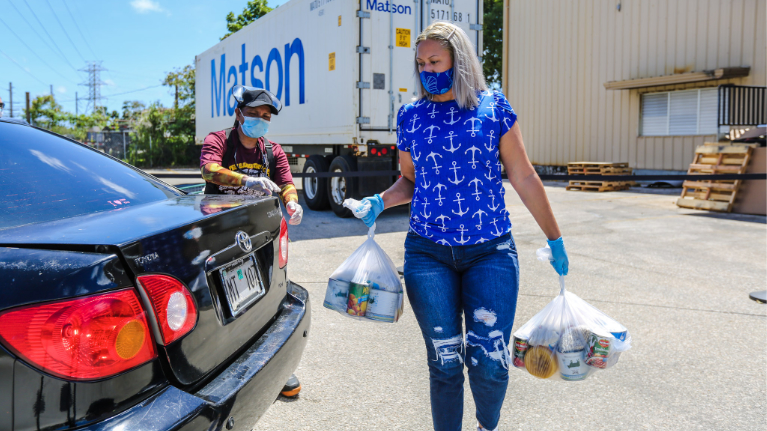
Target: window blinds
<point x="687" y="112"/>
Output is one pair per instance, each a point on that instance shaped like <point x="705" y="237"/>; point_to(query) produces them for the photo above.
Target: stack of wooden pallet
<point x="714" y="158"/>
<point x="598" y="168"/>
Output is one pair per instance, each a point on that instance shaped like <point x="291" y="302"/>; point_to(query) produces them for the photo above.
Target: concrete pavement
<point x="678" y="279"/>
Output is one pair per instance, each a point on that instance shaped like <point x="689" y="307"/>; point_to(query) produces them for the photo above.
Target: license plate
<point x="242" y="283"/>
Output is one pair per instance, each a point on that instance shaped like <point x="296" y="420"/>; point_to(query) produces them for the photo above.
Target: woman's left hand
<point x="559" y="261"/>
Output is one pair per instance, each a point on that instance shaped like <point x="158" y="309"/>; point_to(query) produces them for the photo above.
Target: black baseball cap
<point x="251" y="96"/>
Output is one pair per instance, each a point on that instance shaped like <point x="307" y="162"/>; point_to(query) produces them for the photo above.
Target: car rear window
<point x="44" y="177"/>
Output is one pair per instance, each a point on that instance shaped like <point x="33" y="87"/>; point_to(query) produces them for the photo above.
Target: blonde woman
<point x="461" y="263"/>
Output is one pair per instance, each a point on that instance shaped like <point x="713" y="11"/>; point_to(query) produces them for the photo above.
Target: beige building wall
<point x="559" y="54"/>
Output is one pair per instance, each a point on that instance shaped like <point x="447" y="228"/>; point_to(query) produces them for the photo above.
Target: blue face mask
<point x="254" y="127"/>
<point x="437" y="83"/>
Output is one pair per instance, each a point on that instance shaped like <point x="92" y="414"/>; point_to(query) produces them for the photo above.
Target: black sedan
<point x="126" y="304"/>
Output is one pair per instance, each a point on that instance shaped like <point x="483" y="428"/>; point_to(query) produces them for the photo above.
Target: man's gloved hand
<point x="261" y="184"/>
<point x="559" y="256"/>
<point x="295" y="212"/>
<point x="376" y="206"/>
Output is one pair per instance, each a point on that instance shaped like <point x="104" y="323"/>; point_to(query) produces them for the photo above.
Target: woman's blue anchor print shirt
<point x="458" y="196"/>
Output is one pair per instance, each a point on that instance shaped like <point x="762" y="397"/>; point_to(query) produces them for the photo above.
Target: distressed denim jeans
<point x="445" y="284"/>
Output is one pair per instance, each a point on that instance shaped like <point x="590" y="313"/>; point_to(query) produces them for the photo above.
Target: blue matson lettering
<point x="388" y="7"/>
<point x="221" y="100"/>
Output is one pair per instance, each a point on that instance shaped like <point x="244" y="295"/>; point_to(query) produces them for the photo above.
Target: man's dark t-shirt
<point x="246" y="161"/>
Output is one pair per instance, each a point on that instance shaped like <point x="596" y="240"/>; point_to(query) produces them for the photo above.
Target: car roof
<point x="13" y="120"/>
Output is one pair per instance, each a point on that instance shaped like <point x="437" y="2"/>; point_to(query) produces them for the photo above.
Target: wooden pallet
<point x="598" y="186"/>
<point x="598" y="168"/>
<point x="716" y="195"/>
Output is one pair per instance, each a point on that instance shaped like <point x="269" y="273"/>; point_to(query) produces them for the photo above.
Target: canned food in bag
<point x="598" y="349"/>
<point x="336" y="295"/>
<point x="383" y="305"/>
<point x="520" y="348"/>
<point x="357" y="304"/>
<point x="572" y="365"/>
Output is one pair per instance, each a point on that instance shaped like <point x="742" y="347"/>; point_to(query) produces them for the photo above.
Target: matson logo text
<point x="388" y="7"/>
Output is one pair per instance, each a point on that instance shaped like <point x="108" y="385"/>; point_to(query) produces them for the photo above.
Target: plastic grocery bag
<point x="366" y="285"/>
<point x="569" y="339"/>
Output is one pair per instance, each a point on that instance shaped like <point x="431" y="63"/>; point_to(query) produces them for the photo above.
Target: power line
<point x="134" y="91"/>
<point x="77" y="26"/>
<point x="33" y="52"/>
<point x="22" y="67"/>
<point x="64" y="30"/>
<point x="49" y="36"/>
<point x="118" y="94"/>
<point x="35" y="32"/>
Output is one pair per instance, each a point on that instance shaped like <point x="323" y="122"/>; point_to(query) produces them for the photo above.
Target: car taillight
<point x="172" y="304"/>
<point x="86" y="338"/>
<point x="283" y="244"/>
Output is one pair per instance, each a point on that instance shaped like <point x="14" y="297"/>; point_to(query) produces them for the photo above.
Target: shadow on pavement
<point x="750" y="218"/>
<point x="325" y="224"/>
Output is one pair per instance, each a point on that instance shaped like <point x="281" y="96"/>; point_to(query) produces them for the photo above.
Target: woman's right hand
<point x="376" y="207"/>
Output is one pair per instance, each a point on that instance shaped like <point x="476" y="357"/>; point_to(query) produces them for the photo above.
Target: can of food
<point x="357" y="303"/>
<point x="383" y="305"/>
<point x="598" y="349"/>
<point x="520" y="348"/>
<point x="336" y="295"/>
<point x="572" y="365"/>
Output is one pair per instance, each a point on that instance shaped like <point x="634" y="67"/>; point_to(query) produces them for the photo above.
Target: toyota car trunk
<point x="220" y="256"/>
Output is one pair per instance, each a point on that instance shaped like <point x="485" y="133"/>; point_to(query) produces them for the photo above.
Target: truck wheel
<point x="341" y="188"/>
<point x="314" y="189"/>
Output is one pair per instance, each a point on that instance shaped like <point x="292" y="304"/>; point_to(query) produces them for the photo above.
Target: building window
<point x="687" y="112"/>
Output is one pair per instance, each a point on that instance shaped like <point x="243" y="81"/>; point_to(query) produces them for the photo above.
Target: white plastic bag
<point x="366" y="285"/>
<point x="569" y="339"/>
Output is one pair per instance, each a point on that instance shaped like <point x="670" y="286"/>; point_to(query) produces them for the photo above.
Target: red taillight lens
<point x="384" y="151"/>
<point x="283" y="244"/>
<point x="81" y="339"/>
<point x="373" y="151"/>
<point x="172" y="304"/>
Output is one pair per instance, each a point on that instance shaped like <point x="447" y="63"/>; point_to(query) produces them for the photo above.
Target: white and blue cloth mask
<point x="254" y="127"/>
<point x="437" y="83"/>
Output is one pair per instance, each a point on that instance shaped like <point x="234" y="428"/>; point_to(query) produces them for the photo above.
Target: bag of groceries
<point x="366" y="285"/>
<point x="569" y="339"/>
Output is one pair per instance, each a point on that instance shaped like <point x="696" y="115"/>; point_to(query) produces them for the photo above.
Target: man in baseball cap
<point x="246" y="162"/>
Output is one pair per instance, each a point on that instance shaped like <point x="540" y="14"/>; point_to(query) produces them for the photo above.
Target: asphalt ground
<point x="677" y="279"/>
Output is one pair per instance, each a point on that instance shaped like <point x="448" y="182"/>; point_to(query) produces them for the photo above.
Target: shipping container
<point x="342" y="69"/>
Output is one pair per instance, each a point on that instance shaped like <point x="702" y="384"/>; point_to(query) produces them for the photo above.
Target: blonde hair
<point x="468" y="78"/>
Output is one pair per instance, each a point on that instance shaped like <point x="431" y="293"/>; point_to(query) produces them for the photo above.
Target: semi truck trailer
<point x="342" y="69"/>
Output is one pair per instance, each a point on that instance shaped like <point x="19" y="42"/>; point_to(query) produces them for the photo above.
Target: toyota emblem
<point x="243" y="240"/>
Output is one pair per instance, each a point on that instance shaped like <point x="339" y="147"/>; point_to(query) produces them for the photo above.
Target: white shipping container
<point x="342" y="69"/>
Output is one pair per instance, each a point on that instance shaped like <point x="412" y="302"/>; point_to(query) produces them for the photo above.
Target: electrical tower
<point x="94" y="83"/>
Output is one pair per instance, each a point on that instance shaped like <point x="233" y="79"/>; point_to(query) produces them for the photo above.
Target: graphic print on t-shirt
<point x="458" y="194"/>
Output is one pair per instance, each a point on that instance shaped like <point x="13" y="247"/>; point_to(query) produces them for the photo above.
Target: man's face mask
<point x="254" y="127"/>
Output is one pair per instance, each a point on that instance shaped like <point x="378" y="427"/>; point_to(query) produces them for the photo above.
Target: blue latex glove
<point x="376" y="206"/>
<point x="558" y="253"/>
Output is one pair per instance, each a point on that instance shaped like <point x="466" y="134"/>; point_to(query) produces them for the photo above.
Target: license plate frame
<point x="242" y="283"/>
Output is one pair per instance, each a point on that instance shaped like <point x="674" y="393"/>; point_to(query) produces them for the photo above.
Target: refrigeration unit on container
<point x="341" y="69"/>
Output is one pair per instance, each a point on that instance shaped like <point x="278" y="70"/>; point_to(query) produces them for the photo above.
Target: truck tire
<point x="315" y="189"/>
<point x="341" y="188"/>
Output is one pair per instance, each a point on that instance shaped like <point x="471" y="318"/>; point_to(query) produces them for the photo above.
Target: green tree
<point x="165" y="136"/>
<point x="254" y="10"/>
<point x="492" y="40"/>
<point x="46" y="113"/>
<point x="132" y="109"/>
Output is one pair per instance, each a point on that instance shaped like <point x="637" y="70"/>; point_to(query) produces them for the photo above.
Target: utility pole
<point x="51" y="90"/>
<point x="94" y="83"/>
<point x="77" y="103"/>
<point x="29" y="118"/>
<point x="177" y="96"/>
<point x="10" y="89"/>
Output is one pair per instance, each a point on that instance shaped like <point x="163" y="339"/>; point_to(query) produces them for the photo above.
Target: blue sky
<point x="137" y="41"/>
